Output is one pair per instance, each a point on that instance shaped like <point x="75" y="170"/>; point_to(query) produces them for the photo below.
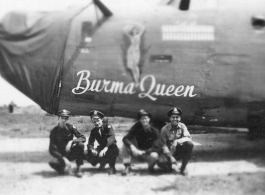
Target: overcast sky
<point x="7" y="92"/>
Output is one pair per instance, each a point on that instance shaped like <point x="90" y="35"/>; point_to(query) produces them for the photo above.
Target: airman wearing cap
<point x="175" y="141"/>
<point x="59" y="137"/>
<point x="139" y="142"/>
<point x="107" y="150"/>
<point x="96" y="114"/>
<point x="174" y="110"/>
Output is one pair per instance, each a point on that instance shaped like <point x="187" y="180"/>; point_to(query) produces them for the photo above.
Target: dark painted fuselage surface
<point x="208" y="60"/>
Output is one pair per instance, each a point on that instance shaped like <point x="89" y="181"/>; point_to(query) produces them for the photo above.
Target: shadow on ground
<point x="93" y="171"/>
<point x="213" y="148"/>
<point x="226" y="184"/>
<point x="48" y="174"/>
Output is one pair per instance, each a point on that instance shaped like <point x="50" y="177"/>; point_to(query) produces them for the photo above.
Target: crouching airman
<point x="139" y="143"/>
<point x="59" y="137"/>
<point x="175" y="142"/>
<point x="107" y="151"/>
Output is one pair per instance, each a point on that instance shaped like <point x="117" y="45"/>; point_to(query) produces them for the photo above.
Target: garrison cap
<point x="143" y="113"/>
<point x="174" y="110"/>
<point x="96" y="114"/>
<point x="64" y="112"/>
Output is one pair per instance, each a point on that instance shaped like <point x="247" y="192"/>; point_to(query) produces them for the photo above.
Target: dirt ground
<point x="222" y="163"/>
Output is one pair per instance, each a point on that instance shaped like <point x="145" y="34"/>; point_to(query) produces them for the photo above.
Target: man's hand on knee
<point x="136" y="152"/>
<point x="173" y="160"/>
<point x="94" y="152"/>
<point x="103" y="152"/>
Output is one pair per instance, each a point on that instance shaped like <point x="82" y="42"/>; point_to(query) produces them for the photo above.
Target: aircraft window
<point x="161" y="58"/>
<point x="184" y="5"/>
<point x="87" y="30"/>
<point x="258" y="22"/>
<point x="181" y="4"/>
<point x="95" y="17"/>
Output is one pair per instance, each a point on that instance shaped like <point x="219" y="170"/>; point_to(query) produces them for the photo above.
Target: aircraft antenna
<point x="106" y="12"/>
<point x="96" y="12"/>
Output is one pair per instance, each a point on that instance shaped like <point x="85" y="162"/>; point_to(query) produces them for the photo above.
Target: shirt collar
<point x="61" y="128"/>
<point x="101" y="128"/>
<point x="147" y="129"/>
<point x="172" y="129"/>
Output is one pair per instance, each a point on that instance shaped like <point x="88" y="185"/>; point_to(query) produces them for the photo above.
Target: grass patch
<point x="37" y="125"/>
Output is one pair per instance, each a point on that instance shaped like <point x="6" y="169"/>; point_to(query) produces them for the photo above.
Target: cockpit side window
<point x="185" y="5"/>
<point x="92" y="18"/>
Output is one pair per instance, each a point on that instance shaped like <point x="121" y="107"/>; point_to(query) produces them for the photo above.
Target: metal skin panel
<point x="217" y="68"/>
<point x="215" y="72"/>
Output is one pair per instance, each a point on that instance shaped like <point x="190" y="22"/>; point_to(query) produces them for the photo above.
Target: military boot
<point x="127" y="170"/>
<point x="57" y="167"/>
<point x="78" y="172"/>
<point x="102" y="166"/>
<point x="112" y="170"/>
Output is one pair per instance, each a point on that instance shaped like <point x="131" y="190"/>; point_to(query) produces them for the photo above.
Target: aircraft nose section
<point x="32" y="46"/>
